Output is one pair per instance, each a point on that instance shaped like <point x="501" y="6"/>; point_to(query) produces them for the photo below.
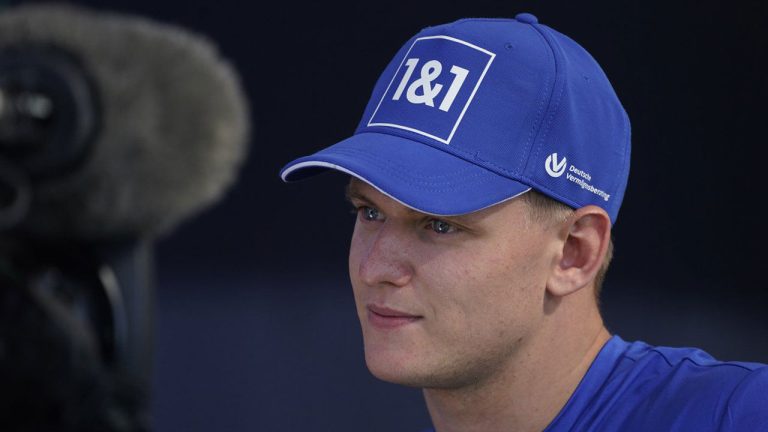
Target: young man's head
<point x="487" y="170"/>
<point x="446" y="302"/>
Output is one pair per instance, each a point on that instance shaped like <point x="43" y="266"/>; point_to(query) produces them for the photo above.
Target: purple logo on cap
<point x="433" y="87"/>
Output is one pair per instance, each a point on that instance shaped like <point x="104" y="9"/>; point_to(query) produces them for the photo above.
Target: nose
<point x="384" y="259"/>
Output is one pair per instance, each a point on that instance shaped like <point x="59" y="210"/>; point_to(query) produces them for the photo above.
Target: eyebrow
<point x="352" y="192"/>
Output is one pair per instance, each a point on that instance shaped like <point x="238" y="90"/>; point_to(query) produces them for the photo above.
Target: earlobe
<point x="585" y="237"/>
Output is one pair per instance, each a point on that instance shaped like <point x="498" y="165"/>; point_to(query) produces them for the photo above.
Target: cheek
<point x="515" y="283"/>
<point x="488" y="294"/>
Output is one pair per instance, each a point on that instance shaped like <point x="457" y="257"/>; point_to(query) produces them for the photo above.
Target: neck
<point x="535" y="384"/>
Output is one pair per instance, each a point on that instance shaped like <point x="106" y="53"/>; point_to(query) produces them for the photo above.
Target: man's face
<point x="446" y="302"/>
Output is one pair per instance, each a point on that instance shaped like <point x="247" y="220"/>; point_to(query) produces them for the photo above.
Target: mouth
<point x="386" y="318"/>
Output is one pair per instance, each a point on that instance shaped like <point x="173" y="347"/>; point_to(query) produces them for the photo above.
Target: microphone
<point x="113" y="130"/>
<point x="125" y="126"/>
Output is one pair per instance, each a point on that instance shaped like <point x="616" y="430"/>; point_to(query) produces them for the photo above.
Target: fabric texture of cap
<point x="475" y="112"/>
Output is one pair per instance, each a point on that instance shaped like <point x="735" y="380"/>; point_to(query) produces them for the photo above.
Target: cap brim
<point x="416" y="175"/>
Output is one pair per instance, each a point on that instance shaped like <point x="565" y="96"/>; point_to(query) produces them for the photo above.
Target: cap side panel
<point x="625" y="164"/>
<point x="541" y="114"/>
<point x="558" y="87"/>
<point x="582" y="155"/>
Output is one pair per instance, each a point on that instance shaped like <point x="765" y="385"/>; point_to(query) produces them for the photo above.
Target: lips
<point x="388" y="318"/>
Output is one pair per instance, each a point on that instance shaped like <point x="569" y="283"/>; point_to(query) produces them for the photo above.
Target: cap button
<point x="527" y="18"/>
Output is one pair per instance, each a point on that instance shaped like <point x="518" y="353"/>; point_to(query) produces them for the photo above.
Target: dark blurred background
<point x="256" y="328"/>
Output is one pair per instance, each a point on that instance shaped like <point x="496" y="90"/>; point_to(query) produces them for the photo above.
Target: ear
<point x="585" y="236"/>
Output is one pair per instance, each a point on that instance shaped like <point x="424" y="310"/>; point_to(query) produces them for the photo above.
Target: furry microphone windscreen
<point x="174" y="123"/>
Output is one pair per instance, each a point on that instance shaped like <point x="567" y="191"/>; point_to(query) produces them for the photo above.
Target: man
<point x="487" y="171"/>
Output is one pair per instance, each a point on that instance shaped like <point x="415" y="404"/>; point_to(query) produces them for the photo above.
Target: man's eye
<point x="441" y="226"/>
<point x="369" y="213"/>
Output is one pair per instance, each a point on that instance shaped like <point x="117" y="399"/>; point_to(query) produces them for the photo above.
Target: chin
<point x="396" y="376"/>
<point x="412" y="369"/>
<point x="406" y="369"/>
<point x="394" y="367"/>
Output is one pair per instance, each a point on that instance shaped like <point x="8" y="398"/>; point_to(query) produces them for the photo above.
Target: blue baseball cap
<point x="476" y="112"/>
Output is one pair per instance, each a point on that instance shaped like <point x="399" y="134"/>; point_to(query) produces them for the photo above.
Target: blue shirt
<point x="637" y="387"/>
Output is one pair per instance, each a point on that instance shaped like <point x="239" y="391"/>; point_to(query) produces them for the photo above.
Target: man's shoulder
<point x="636" y="386"/>
<point x="747" y="407"/>
<point x="680" y="367"/>
<point x="687" y="386"/>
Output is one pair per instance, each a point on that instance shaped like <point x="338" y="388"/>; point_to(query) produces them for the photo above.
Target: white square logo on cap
<point x="433" y="87"/>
